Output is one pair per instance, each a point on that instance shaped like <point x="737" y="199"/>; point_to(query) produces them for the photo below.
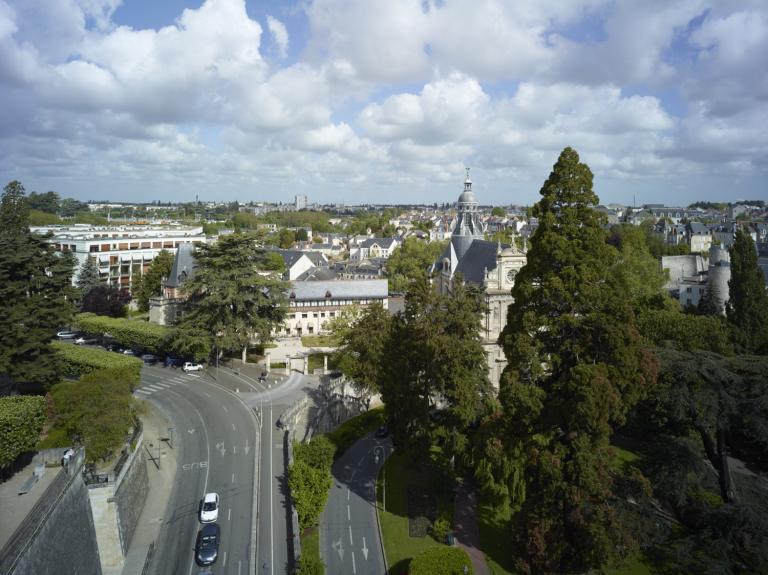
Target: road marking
<point x="239" y="564"/>
<point x="191" y="431"/>
<point x="229" y="514"/>
<point x="163" y="385"/>
<point x="347" y="493"/>
<point x="225" y="408"/>
<point x="143" y="391"/>
<point x="246" y="447"/>
<point x="220" y="447"/>
<point x="339" y="548"/>
<point x="225" y="559"/>
<point x="233" y="478"/>
<point x="350" y="535"/>
<point x="153" y="387"/>
<point x="195" y="465"/>
<point x="348" y="516"/>
<point x="206" y="394"/>
<point x="365" y="550"/>
<point x="234" y="450"/>
<point x="354" y="568"/>
<point x="233" y="427"/>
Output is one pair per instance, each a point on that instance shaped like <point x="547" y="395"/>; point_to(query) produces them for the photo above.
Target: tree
<point x="47" y="202"/>
<point x="286" y="238"/>
<point x="498" y="212"/>
<point x="441" y="560"/>
<point x="229" y="298"/>
<point x="21" y="422"/>
<point x="105" y="300"/>
<point x="35" y="296"/>
<point x="635" y="267"/>
<point x="151" y="282"/>
<point x="575" y="368"/>
<point x="88" y="278"/>
<point x="362" y="341"/>
<point x="747" y="308"/>
<point x="410" y="261"/>
<point x="301" y="235"/>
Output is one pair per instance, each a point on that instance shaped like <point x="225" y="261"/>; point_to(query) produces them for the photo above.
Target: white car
<point x="188" y="366"/>
<point x="66" y="335"/>
<point x="209" y="508"/>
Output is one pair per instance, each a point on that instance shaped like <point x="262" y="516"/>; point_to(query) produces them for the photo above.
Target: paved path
<point x="465" y="528"/>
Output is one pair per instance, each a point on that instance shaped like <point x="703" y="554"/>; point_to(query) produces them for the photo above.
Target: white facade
<point x="121" y="252"/>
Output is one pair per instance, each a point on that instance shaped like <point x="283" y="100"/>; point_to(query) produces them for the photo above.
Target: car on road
<point x="66" y="334"/>
<point x="207" y="544"/>
<point x="82" y="340"/>
<point x="209" y="508"/>
<point x="149" y="358"/>
<point x="382" y="432"/>
<point x="189" y="366"/>
<point x="129" y="352"/>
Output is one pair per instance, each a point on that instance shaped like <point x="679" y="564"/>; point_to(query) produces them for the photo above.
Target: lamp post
<point x="384" y="474"/>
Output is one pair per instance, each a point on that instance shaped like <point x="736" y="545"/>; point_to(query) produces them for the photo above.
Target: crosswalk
<point x="148" y="388"/>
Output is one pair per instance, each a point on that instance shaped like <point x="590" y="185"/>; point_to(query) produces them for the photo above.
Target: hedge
<point x="77" y="360"/>
<point x="135" y="334"/>
<point x="21" y="421"/>
<point x="441" y="560"/>
<point x="309" y="478"/>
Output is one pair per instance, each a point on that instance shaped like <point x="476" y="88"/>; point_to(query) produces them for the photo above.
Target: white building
<point x="374" y="248"/>
<point x="121" y="252"/>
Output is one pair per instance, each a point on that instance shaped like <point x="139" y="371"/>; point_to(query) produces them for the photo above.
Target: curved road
<point x="216" y="439"/>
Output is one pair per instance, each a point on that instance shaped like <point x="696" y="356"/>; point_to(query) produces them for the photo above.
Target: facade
<point x="313" y="304"/>
<point x="488" y="265"/>
<point x="374" y="248"/>
<point x="167" y="308"/>
<point x="121" y="252"/>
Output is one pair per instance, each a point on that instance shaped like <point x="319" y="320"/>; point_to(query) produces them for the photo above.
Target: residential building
<point x="699" y="237"/>
<point x="123" y="252"/>
<point x="374" y="248"/>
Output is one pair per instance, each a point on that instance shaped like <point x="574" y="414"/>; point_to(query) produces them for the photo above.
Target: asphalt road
<point x="349" y="536"/>
<point x="216" y="440"/>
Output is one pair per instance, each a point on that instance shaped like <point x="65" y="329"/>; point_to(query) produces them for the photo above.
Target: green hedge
<point x="309" y="478"/>
<point x="21" y="421"/>
<point x="131" y="333"/>
<point x="77" y="360"/>
<point x="441" y="561"/>
<point x="353" y="429"/>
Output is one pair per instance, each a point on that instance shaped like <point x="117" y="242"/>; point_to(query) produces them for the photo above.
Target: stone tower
<point x="468" y="226"/>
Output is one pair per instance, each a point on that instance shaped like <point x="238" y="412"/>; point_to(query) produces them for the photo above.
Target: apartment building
<point x="122" y="252"/>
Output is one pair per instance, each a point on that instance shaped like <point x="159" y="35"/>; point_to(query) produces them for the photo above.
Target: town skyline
<point x="353" y="103"/>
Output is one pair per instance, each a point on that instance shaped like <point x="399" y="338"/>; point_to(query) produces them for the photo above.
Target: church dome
<point x="467" y="197"/>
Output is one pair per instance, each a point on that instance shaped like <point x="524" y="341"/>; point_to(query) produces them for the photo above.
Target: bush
<point x="78" y="360"/>
<point x="318" y="453"/>
<point x="309" y="489"/>
<point x="135" y="334"/>
<point x="441" y="528"/>
<point x="21" y="421"/>
<point x="441" y="561"/>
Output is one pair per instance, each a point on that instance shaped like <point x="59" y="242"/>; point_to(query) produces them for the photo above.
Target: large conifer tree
<point x="575" y="368"/>
<point x="747" y="308"/>
<point x="35" y="296"/>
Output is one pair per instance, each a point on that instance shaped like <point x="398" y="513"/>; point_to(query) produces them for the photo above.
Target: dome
<point x="467" y="197"/>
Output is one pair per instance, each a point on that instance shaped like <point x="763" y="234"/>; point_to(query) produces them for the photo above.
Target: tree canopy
<point x="410" y="261"/>
<point x="747" y="308"/>
<point x="150" y="284"/>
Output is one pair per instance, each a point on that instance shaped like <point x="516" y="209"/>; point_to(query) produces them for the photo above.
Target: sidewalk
<point x="465" y="528"/>
<point x="161" y="481"/>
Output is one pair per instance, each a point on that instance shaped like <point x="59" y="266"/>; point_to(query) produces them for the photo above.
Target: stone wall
<point x="130" y="498"/>
<point x="58" y="534"/>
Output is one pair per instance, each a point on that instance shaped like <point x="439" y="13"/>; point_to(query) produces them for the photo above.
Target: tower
<point x="468" y="225"/>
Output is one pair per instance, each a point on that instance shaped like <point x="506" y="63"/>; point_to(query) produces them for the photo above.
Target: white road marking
<point x="163" y="385"/>
<point x="348" y="516"/>
<point x="225" y="408"/>
<point x="144" y="391"/>
<point x="233" y="427"/>
<point x="350" y="535"/>
<point x="234" y="450"/>
<point x="239" y="564"/>
<point x="246" y="447"/>
<point x="225" y="559"/>
<point x="354" y="567"/>
<point x="154" y="387"/>
<point x="229" y="514"/>
<point x="233" y="478"/>
<point x="347" y="493"/>
<point x="365" y="550"/>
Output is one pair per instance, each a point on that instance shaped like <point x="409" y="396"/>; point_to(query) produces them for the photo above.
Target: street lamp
<point x="384" y="474"/>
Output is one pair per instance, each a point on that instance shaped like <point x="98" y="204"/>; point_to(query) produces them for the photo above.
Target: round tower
<point x="468" y="225"/>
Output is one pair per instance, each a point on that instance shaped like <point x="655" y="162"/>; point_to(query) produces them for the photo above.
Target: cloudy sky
<point x="383" y="100"/>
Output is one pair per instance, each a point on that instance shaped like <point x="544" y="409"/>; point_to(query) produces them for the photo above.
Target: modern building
<point x="374" y="248"/>
<point x="489" y="265"/>
<point x="300" y="202"/>
<point x="122" y="252"/>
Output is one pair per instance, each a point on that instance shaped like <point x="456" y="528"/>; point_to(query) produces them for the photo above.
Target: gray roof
<point x="338" y="289"/>
<point x="385" y="243"/>
<point x="479" y="258"/>
<point x="183" y="265"/>
<point x="317" y="274"/>
<point x="699" y="228"/>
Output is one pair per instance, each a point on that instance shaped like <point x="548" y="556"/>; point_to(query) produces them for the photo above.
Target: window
<point x="322" y="314"/>
<point x="310" y="329"/>
<point x="314" y="315"/>
<point x="304" y="315"/>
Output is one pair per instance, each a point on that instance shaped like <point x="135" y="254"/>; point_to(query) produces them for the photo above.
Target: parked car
<point x="149" y="358"/>
<point x="209" y="508"/>
<point x="82" y="340"/>
<point x="207" y="544"/>
<point x="128" y="352"/>
<point x="189" y="366"/>
<point x="66" y="334"/>
<point x="382" y="432"/>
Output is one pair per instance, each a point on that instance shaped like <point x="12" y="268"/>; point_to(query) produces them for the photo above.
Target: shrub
<point x="441" y="560"/>
<point x="441" y="528"/>
<point x="310" y="565"/>
<point x="318" y="453"/>
<point x="21" y="421"/>
<point x="77" y="360"/>
<point x="127" y="332"/>
<point x="309" y="489"/>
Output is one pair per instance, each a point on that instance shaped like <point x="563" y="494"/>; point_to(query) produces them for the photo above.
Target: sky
<point x="383" y="101"/>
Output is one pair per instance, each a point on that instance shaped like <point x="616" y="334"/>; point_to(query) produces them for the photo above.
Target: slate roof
<point x="183" y="265"/>
<point x="339" y="289"/>
<point x="385" y="243"/>
<point x="317" y="274"/>
<point x="479" y="258"/>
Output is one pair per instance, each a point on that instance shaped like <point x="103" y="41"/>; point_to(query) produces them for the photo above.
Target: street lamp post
<point x="384" y="474"/>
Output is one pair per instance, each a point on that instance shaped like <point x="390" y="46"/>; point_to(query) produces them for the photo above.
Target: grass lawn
<point x="310" y="543"/>
<point x="352" y="430"/>
<point x="277" y="365"/>
<point x="319" y="341"/>
<point x="399" y="547"/>
<point x="492" y="521"/>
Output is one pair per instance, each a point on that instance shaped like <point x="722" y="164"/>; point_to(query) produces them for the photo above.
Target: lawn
<point x="492" y="521"/>
<point x="399" y="547"/>
<point x="319" y="341"/>
<point x="310" y="543"/>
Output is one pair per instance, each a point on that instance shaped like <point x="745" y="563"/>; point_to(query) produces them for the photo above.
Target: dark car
<point x="207" y="545"/>
<point x="149" y="358"/>
<point x="382" y="432"/>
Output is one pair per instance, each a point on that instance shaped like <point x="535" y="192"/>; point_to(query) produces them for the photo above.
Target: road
<point x="349" y="536"/>
<point x="216" y="439"/>
<point x="274" y="541"/>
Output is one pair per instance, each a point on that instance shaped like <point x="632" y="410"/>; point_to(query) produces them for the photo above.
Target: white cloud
<point x="279" y="35"/>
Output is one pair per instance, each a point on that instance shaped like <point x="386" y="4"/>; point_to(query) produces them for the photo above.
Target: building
<point x="489" y="265"/>
<point x="166" y="309"/>
<point x="374" y="248"/>
<point x="699" y="237"/>
<point x="300" y="202"/>
<point x="313" y="304"/>
<point x="121" y="252"/>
